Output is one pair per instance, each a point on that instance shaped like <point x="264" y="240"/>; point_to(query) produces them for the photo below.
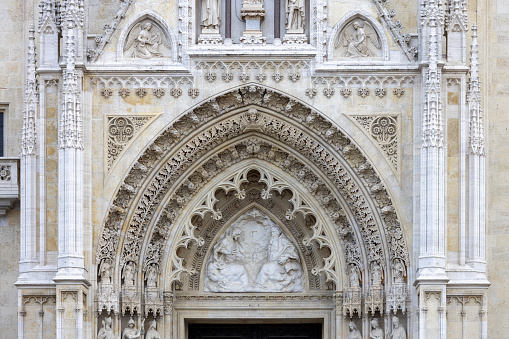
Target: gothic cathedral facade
<point x="338" y="165"/>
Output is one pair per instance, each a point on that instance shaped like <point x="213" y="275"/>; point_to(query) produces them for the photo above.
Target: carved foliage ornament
<point x="225" y="130"/>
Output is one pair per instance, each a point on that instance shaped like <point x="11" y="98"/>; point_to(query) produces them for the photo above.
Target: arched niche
<point x="346" y="33"/>
<point x="147" y="38"/>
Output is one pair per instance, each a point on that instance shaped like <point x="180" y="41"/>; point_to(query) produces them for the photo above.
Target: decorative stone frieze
<point x="253" y="70"/>
<point x="141" y="85"/>
<point x="363" y="84"/>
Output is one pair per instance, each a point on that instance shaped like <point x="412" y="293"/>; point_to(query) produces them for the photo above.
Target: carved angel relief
<point x="358" y="39"/>
<point x="146" y="40"/>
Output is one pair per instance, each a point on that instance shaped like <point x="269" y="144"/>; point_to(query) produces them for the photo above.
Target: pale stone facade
<point x="180" y="161"/>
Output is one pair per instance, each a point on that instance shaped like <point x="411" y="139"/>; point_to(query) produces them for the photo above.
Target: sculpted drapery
<point x="210" y="14"/>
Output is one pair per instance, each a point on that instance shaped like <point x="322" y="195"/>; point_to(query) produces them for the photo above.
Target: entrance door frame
<point x="253" y="308"/>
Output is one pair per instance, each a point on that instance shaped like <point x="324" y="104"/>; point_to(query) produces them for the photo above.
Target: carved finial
<point x="73" y="13"/>
<point x="474" y="99"/>
<point x="28" y="138"/>
<point x="456" y="19"/>
<point x="49" y="16"/>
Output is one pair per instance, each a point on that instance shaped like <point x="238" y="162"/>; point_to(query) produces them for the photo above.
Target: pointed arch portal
<point x="252" y="148"/>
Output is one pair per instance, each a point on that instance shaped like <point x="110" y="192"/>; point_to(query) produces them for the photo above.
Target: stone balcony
<point x="9" y="183"/>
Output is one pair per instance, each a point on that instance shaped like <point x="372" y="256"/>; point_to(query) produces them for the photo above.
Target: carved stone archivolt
<point x="306" y="145"/>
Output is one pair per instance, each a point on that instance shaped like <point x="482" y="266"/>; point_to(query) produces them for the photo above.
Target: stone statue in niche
<point x="128" y="274"/>
<point x="295" y="16"/>
<point x="106" y="332"/>
<point x="145" y="41"/>
<point x="210" y="14"/>
<point x="353" y="332"/>
<point x="376" y="331"/>
<point x="376" y="272"/>
<point x="254" y="255"/>
<point x="105" y="272"/>
<point x="152" y="331"/>
<point x="354" y="276"/>
<point x="398" y="331"/>
<point x="151" y="276"/>
<point x="399" y="272"/>
<point x="358" y="40"/>
<point x="131" y="332"/>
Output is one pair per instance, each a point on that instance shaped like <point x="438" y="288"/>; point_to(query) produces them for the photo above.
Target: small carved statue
<point x="398" y="331"/>
<point x="128" y="274"/>
<point x="376" y="331"/>
<point x="152" y="331"/>
<point x="376" y="272"/>
<point x="131" y="332"/>
<point x="295" y="15"/>
<point x="358" y="38"/>
<point x="151" y="276"/>
<point x="354" y="276"/>
<point x="105" y="272"/>
<point x="146" y="44"/>
<point x="106" y="332"/>
<point x="399" y="272"/>
<point x="210" y="14"/>
<point x="353" y="332"/>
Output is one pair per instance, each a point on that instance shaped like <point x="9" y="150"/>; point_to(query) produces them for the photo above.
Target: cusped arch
<point x="280" y="118"/>
<point x="159" y="20"/>
<point x="344" y="21"/>
<point x="274" y="181"/>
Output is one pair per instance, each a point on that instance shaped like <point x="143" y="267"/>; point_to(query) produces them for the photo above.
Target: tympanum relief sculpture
<point x="254" y="255"/>
<point x="358" y="39"/>
<point x="146" y="40"/>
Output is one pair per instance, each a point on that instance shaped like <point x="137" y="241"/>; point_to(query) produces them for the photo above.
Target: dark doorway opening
<point x="255" y="331"/>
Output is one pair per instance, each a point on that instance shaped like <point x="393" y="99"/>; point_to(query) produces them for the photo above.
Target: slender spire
<point x="433" y="129"/>
<point x="456" y="19"/>
<point x="474" y="99"/>
<point x="28" y="139"/>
